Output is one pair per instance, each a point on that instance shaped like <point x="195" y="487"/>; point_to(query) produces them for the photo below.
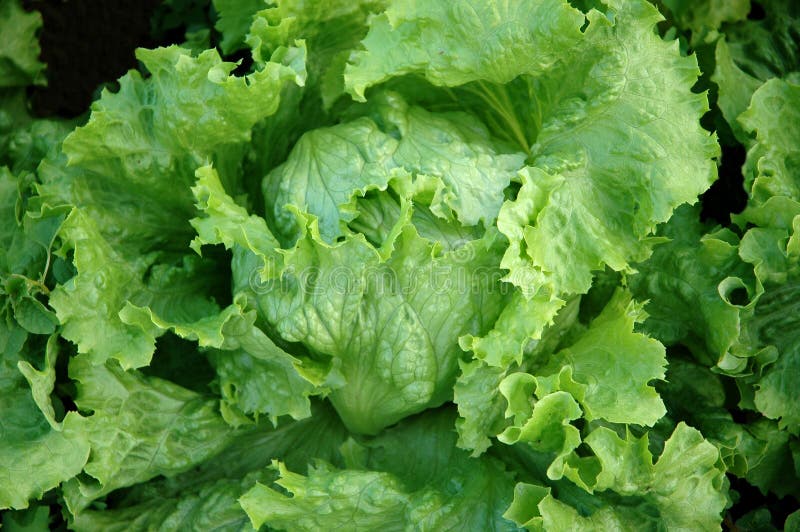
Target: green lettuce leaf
<point x="455" y="43"/>
<point x="546" y="425"/>
<point x="89" y="304"/>
<point x="699" y="290"/>
<point x="521" y="335"/>
<point x="207" y="496"/>
<point x="331" y="31"/>
<point x="30" y="439"/>
<point x="609" y="368"/>
<point x="771" y="173"/>
<point x="19" y="49"/>
<point x="684" y="489"/>
<point x="136" y="157"/>
<point x="573" y="173"/>
<point x="139" y="428"/>
<point x="752" y="52"/>
<point x="706" y="16"/>
<point x="757" y="451"/>
<point x="410" y="476"/>
<point x="389" y="325"/>
<point x="329" y="165"/>
<point x="234" y="18"/>
<point x="572" y="183"/>
<point x="772" y="169"/>
<point x="135" y="160"/>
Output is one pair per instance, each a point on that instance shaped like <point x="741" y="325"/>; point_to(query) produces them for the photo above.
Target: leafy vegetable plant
<point x="408" y="265"/>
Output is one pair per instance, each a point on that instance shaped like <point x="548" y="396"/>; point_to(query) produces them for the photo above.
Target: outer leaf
<point x="89" y="305"/>
<point x="772" y="167"/>
<point x="455" y="43"/>
<point x="210" y="506"/>
<point x="572" y="202"/>
<point x="736" y="87"/>
<point x="686" y="455"/>
<point x="706" y="15"/>
<point x="28" y="441"/>
<point x="225" y="222"/>
<point x="330" y="499"/>
<point x="610" y="367"/>
<point x="135" y="159"/>
<point x="684" y="489"/>
<point x="206" y="497"/>
<point x="234" y="20"/>
<point x="699" y="289"/>
<point x="772" y="174"/>
<point x="752" y="52"/>
<point x="19" y="49"/>
<point x="777" y="325"/>
<point x="130" y="159"/>
<point x="589" y="82"/>
<point x="140" y="428"/>
<point x="412" y="476"/>
<point x="25" y="239"/>
<point x="696" y="395"/>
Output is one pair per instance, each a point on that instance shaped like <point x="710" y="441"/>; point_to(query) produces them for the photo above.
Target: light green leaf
<point x="331" y="30"/>
<point x="684" y="490"/>
<point x="582" y="201"/>
<point x="89" y="304"/>
<point x="453" y="43"/>
<point x="611" y="367"/>
<point x="325" y="168"/>
<point x="590" y="83"/>
<point x="280" y="385"/>
<point x="482" y="391"/>
<point x="389" y="325"/>
<point x="459" y="151"/>
<point x="481" y="406"/>
<point x="183" y="89"/>
<point x="136" y="157"/>
<point x="772" y="167"/>
<point x="548" y="428"/>
<point x="706" y="16"/>
<point x="519" y="328"/>
<point x="330" y="499"/>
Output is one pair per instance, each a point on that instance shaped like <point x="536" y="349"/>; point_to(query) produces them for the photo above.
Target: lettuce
<point x="407" y="265"/>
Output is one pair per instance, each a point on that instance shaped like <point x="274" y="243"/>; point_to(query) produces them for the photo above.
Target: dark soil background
<point x="86" y="43"/>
